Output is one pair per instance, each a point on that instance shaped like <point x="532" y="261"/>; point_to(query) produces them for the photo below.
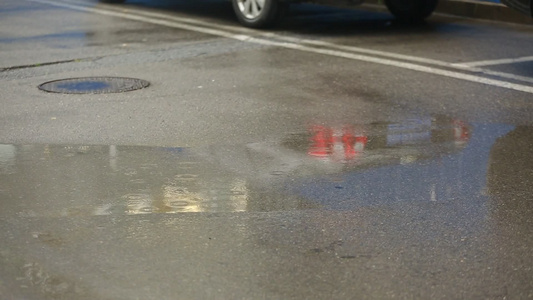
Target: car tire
<point x="259" y="13"/>
<point x="411" y="11"/>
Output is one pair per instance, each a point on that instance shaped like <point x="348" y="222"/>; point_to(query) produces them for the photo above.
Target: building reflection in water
<point x="356" y="143"/>
<point x="104" y="180"/>
<point x="369" y="160"/>
<point x="70" y="180"/>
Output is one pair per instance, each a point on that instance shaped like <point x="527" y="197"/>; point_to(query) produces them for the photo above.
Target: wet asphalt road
<point x="341" y="155"/>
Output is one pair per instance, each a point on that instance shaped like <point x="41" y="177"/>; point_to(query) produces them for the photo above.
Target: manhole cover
<point x="94" y="85"/>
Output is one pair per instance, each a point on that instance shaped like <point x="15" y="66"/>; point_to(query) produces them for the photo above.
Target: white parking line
<point x="296" y="44"/>
<point x="270" y="35"/>
<point x="409" y="58"/>
<point x="503" y="61"/>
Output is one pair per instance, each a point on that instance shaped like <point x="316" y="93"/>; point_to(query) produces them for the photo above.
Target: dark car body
<point x="523" y="6"/>
<point x="264" y="13"/>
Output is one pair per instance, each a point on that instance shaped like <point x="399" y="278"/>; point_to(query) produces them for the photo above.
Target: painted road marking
<point x="296" y="44"/>
<point x="279" y="37"/>
<point x="502" y="61"/>
<point x="409" y="58"/>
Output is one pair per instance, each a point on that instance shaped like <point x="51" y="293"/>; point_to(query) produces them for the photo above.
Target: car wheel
<point x="259" y="13"/>
<point x="411" y="10"/>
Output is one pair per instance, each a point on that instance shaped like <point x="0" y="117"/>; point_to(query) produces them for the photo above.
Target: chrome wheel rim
<point x="251" y="9"/>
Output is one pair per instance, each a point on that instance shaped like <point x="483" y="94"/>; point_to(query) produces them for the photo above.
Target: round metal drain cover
<point x="94" y="85"/>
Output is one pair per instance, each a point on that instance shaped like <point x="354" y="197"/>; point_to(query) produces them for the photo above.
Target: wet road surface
<point x="339" y="156"/>
<point x="425" y="208"/>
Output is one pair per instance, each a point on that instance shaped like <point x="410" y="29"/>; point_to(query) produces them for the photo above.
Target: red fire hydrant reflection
<point x="461" y="131"/>
<point x="343" y="144"/>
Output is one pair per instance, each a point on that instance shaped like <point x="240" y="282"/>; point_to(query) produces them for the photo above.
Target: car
<point x="265" y="13"/>
<point x="523" y="6"/>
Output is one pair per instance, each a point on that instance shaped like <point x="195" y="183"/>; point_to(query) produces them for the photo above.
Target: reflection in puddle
<point x="438" y="167"/>
<point x="428" y="159"/>
<point x="350" y="143"/>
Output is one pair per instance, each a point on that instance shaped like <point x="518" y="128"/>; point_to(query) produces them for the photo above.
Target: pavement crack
<point x="37" y="65"/>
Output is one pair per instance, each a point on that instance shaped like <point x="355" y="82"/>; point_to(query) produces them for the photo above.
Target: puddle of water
<point x="77" y="35"/>
<point x="438" y="172"/>
<point x="433" y="160"/>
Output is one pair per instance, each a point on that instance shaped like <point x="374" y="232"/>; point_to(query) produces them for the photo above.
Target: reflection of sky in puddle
<point x="86" y="86"/>
<point x="74" y="35"/>
<point x="411" y="161"/>
<point x="460" y="175"/>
